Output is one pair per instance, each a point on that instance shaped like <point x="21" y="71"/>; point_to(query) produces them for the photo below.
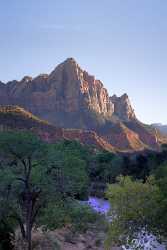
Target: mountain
<point x="70" y="97"/>
<point x="18" y="119"/>
<point x="162" y="128"/>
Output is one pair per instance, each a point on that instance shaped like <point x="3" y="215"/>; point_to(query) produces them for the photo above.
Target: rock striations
<point x="71" y="98"/>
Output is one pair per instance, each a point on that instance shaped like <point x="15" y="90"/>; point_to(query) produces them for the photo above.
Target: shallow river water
<point x="148" y="241"/>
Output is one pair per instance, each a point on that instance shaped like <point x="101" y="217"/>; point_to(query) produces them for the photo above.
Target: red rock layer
<point x="71" y="98"/>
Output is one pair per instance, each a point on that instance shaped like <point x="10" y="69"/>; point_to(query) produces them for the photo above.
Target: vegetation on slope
<point x="38" y="180"/>
<point x="41" y="183"/>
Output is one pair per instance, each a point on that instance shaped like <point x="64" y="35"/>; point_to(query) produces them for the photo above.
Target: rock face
<point x="68" y="89"/>
<point x="123" y="108"/>
<point x="71" y="98"/>
<point x="76" y="89"/>
<point x="18" y="119"/>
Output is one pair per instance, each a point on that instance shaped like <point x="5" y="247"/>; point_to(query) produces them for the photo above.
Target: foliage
<point x="40" y="182"/>
<point x="140" y="166"/>
<point x="22" y="175"/>
<point x="34" y="177"/>
<point x="106" y="167"/>
<point x="69" y="170"/>
<point x="82" y="217"/>
<point x="137" y="167"/>
<point x="134" y="208"/>
<point x="139" y="204"/>
<point x="161" y="181"/>
<point x="74" y="148"/>
<point x="69" y="212"/>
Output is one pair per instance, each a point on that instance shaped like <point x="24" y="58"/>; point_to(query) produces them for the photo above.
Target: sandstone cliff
<point x="69" y="97"/>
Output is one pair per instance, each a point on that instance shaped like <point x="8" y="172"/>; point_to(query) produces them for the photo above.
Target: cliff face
<point x="17" y="119"/>
<point x="123" y="108"/>
<point x="68" y="89"/>
<point x="71" y="98"/>
<point x="77" y="90"/>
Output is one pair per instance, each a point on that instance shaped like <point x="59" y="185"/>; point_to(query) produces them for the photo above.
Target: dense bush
<point x="135" y="207"/>
<point x="105" y="167"/>
<point x="139" y="204"/>
<point x="68" y="212"/>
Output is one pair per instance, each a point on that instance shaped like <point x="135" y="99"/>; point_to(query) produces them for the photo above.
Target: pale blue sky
<point x="122" y="42"/>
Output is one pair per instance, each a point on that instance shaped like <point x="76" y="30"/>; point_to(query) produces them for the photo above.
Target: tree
<point x="106" y="168"/>
<point x="34" y="178"/>
<point x="138" y="166"/>
<point x="135" y="206"/>
<point x="23" y="174"/>
<point x="69" y="169"/>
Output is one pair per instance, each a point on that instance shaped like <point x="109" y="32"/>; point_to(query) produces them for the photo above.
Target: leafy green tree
<point x="22" y="172"/>
<point x="107" y="166"/>
<point x="69" y="170"/>
<point x="74" y="148"/>
<point x="72" y="212"/>
<point x="34" y="177"/>
<point x="135" y="206"/>
<point x="76" y="176"/>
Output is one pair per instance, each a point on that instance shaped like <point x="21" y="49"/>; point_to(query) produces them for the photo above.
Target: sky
<point x="122" y="42"/>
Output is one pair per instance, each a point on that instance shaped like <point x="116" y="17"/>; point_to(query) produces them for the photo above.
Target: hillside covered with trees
<point x="43" y="185"/>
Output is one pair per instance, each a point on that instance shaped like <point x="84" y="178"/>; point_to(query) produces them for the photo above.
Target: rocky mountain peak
<point x="80" y="90"/>
<point x="69" y="97"/>
<point x="26" y="79"/>
<point x="122" y="107"/>
<point x="70" y="60"/>
<point x="69" y="69"/>
<point x="68" y="88"/>
<point x="125" y="96"/>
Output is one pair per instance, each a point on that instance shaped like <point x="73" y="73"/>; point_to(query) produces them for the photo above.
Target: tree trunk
<point x="29" y="237"/>
<point x="28" y="222"/>
<point x="28" y="234"/>
<point x="22" y="229"/>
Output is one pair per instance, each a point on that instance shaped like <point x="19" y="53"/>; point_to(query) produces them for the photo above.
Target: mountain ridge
<point x="70" y="97"/>
<point x="16" y="118"/>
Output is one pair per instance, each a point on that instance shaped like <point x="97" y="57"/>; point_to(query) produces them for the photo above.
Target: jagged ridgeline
<point x="71" y="98"/>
